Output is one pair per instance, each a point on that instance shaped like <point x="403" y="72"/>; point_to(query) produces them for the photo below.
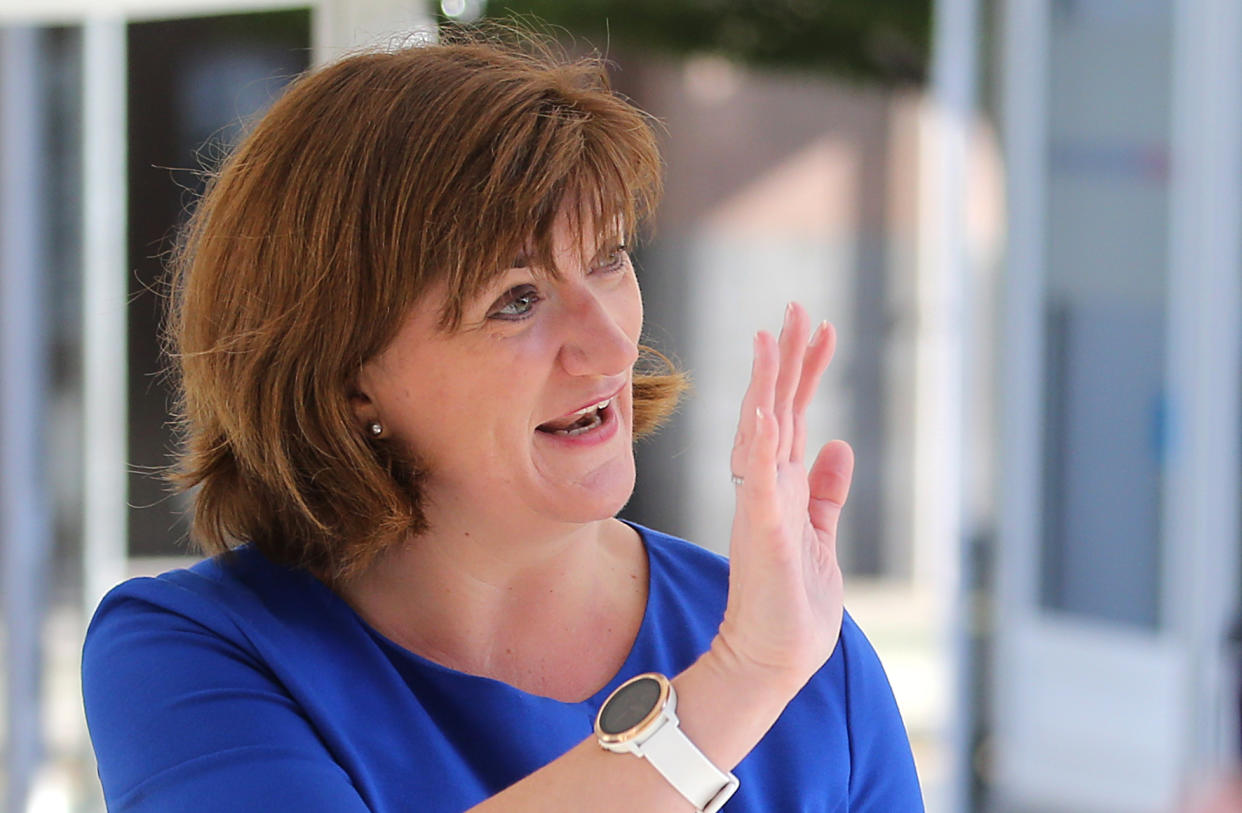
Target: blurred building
<point x="1038" y="364"/>
<point x="1117" y="554"/>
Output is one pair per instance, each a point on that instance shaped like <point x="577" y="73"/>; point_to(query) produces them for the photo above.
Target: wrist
<point x="735" y="661"/>
<point x="640" y="718"/>
<point x="754" y="698"/>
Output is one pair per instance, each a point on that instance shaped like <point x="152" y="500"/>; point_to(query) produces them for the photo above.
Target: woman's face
<point x="504" y="413"/>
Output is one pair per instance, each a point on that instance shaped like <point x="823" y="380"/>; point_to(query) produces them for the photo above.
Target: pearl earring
<point x="375" y="428"/>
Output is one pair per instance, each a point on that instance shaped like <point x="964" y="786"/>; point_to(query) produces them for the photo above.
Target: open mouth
<point x="580" y="422"/>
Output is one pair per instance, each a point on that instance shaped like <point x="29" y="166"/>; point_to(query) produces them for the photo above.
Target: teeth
<point x="578" y="430"/>
<point x="594" y="407"/>
<point x="594" y="412"/>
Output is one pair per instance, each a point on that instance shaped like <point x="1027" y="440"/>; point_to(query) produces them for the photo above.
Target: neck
<point x="511" y="603"/>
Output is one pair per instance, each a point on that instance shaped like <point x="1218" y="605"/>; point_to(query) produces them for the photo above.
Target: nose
<point x="599" y="337"/>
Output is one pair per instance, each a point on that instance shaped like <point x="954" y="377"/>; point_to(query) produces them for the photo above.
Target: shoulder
<point x="203" y="684"/>
<point x="145" y="624"/>
<point x="857" y="653"/>
<point x="849" y="737"/>
<point x="191" y="594"/>
<point x="853" y="679"/>
<point x="207" y="594"/>
<point x="855" y="676"/>
<point x="238" y="603"/>
<point x="882" y="775"/>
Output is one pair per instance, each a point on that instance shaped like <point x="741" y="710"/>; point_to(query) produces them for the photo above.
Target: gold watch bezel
<point x="640" y="728"/>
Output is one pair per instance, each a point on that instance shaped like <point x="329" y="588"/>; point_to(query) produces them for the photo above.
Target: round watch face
<point x="630" y="706"/>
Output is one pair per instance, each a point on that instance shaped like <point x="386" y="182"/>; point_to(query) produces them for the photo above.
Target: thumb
<point x="829" y="482"/>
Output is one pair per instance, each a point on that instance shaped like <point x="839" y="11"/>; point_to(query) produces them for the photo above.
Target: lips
<point x="583" y="419"/>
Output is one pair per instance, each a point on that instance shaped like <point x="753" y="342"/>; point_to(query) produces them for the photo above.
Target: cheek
<point x="632" y="319"/>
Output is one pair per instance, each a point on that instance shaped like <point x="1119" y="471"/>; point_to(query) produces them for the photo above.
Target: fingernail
<point x="789" y="310"/>
<point x="819" y="333"/>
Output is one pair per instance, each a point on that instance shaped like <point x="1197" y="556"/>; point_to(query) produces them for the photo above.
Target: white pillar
<point x="104" y="291"/>
<point x="341" y="26"/>
<point x="1205" y="365"/>
<point x="944" y="292"/>
<point x="25" y="521"/>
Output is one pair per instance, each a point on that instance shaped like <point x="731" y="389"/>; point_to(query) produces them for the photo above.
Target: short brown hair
<point x="369" y="182"/>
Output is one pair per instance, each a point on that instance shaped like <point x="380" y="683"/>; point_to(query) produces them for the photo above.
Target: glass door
<point x="1095" y="665"/>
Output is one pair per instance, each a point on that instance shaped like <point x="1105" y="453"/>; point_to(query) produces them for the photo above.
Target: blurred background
<point x="1023" y="216"/>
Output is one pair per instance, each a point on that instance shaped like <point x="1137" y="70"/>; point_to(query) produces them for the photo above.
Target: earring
<point x="375" y="429"/>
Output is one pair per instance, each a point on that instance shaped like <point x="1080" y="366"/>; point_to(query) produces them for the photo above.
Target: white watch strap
<point x="671" y="753"/>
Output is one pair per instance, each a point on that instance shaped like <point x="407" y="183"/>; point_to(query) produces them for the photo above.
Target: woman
<point x="406" y="329"/>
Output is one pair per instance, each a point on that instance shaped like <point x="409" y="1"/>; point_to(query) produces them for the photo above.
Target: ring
<point x="737" y="481"/>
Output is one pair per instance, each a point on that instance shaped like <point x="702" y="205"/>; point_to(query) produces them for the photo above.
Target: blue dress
<point x="240" y="685"/>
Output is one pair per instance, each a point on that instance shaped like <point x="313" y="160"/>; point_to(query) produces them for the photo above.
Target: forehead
<point x="570" y="237"/>
<point x="547" y="253"/>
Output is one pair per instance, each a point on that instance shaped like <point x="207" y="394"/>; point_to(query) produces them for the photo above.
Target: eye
<point x="614" y="259"/>
<point x="517" y="303"/>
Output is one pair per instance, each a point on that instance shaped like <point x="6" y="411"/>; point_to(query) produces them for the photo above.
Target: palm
<point x="785" y="593"/>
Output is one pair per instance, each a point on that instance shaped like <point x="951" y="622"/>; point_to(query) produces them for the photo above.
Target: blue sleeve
<point x="882" y="773"/>
<point x="184" y="719"/>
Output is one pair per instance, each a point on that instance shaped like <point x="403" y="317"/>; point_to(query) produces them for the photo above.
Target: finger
<point x="793" y="343"/>
<point x="758" y="394"/>
<point x="759" y="475"/>
<point x="829" y="481"/>
<point x="818" y="355"/>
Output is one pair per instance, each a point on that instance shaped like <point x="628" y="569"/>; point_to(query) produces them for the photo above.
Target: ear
<point x="365" y="410"/>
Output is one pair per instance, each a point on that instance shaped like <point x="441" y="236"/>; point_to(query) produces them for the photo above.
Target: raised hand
<point x="785" y="589"/>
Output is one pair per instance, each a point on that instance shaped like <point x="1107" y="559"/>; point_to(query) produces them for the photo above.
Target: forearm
<point x="724" y="708"/>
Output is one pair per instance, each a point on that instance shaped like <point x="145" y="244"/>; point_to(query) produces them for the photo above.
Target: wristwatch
<point x="640" y="718"/>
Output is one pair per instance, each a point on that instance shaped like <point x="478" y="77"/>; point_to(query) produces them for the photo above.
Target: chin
<point x="601" y="497"/>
